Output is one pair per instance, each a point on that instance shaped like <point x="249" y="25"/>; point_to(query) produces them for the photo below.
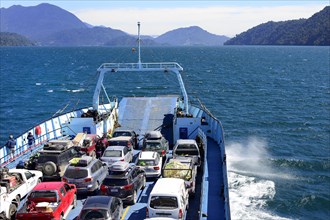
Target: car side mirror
<point x="33" y="174"/>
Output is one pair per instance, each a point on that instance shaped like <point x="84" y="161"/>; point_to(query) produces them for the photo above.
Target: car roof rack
<point x="81" y="161"/>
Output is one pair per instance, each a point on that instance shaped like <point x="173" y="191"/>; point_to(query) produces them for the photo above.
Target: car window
<point x="93" y="214"/>
<point x="46" y="158"/>
<point x="163" y="202"/>
<point x="94" y="168"/>
<point x="112" y="153"/>
<point x="186" y="146"/>
<point x="185" y="152"/>
<point x="146" y="163"/>
<point x="115" y="182"/>
<point x="76" y="173"/>
<point x="62" y="190"/>
<point x="152" y="146"/>
<point x="113" y="206"/>
<point x="67" y="187"/>
<point x="28" y="174"/>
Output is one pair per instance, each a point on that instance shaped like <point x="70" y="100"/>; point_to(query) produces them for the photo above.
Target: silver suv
<point x="87" y="173"/>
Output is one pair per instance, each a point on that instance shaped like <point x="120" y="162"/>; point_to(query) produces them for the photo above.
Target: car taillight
<point x="128" y="187"/>
<point x="180" y="214"/>
<point x="104" y="188"/>
<point x="88" y="180"/>
<point x="64" y="180"/>
<point x="147" y="212"/>
<point x="163" y="152"/>
<point x="156" y="168"/>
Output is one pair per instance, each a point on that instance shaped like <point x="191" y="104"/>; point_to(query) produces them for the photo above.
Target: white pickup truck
<point x="14" y="185"/>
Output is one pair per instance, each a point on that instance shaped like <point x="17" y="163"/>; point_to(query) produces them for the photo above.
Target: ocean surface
<point x="273" y="102"/>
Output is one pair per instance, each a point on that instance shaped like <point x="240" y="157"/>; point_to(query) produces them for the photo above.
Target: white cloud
<point x="227" y="20"/>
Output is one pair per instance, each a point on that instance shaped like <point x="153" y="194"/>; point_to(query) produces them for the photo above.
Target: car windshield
<point x="152" y="146"/>
<point x="112" y="153"/>
<point x="46" y="158"/>
<point x="121" y="133"/>
<point x="146" y="163"/>
<point x="115" y="182"/>
<point x="93" y="214"/>
<point x="76" y="173"/>
<point x="163" y="202"/>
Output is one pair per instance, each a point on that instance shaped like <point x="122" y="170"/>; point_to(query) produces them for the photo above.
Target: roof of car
<point x="147" y="155"/>
<point x="162" y="184"/>
<point x="97" y="202"/>
<point x="154" y="134"/>
<point x="115" y="148"/>
<point x="130" y="131"/>
<point x="48" y="185"/>
<point x="120" y="138"/>
<point x="186" y="141"/>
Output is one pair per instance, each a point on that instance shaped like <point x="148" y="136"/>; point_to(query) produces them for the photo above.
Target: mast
<point x="139" y="45"/>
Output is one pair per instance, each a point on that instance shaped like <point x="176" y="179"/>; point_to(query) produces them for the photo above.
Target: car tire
<point x="49" y="168"/>
<point x="12" y="211"/>
<point x="134" y="197"/>
<point x="144" y="183"/>
<point x="74" y="202"/>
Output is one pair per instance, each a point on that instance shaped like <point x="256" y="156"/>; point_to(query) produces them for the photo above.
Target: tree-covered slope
<point x="13" y="39"/>
<point x="312" y="31"/>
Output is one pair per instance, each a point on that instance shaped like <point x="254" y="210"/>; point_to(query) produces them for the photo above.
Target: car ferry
<point x="172" y="115"/>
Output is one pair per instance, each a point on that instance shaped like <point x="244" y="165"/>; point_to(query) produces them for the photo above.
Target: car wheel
<point x="12" y="210"/>
<point x="144" y="182"/>
<point x="134" y="197"/>
<point x="74" y="202"/>
<point x="49" y="168"/>
<point x="39" y="180"/>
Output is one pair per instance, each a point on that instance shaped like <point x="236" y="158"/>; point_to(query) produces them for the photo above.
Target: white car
<point x="151" y="162"/>
<point x="169" y="197"/>
<point x="117" y="153"/>
<point x="187" y="148"/>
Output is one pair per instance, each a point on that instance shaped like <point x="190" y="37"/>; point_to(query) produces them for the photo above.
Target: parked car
<point x="49" y="200"/>
<point x="15" y="184"/>
<point x="101" y="207"/>
<point x="52" y="162"/>
<point x="121" y="141"/>
<point x="124" y="181"/>
<point x="117" y="153"/>
<point x="87" y="173"/>
<point x="127" y="133"/>
<point x="182" y="168"/>
<point x="187" y="148"/>
<point x="151" y="162"/>
<point x="169" y="197"/>
<point x="86" y="143"/>
<point x="154" y="141"/>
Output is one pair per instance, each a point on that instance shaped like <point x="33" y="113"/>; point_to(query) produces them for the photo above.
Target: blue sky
<point x="157" y="17"/>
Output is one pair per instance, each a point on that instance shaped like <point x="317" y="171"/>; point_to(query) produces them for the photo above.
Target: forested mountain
<point x="13" y="39"/>
<point x="312" y="31"/>
<point x="190" y="36"/>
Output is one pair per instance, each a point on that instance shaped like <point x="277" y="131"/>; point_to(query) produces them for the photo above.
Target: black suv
<point x="124" y="181"/>
<point x="52" y="162"/>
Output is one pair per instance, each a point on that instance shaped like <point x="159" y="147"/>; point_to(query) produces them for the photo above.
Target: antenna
<point x="139" y="42"/>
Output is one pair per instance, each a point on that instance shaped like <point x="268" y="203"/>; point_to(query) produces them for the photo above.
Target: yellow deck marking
<point x="124" y="214"/>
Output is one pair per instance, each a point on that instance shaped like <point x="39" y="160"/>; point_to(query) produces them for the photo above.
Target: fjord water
<point x="274" y="104"/>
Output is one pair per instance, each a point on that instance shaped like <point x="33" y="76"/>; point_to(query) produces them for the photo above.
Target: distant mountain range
<point x="312" y="31"/>
<point x="47" y="24"/>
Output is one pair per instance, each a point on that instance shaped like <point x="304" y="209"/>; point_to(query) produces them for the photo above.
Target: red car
<point x="49" y="200"/>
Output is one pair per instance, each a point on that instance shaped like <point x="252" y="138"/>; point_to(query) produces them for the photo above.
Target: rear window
<point x="115" y="182"/>
<point x="93" y="214"/>
<point x="42" y="194"/>
<point x="112" y="153"/>
<point x="183" y="152"/>
<point x="46" y="158"/>
<point x="117" y="143"/>
<point x="152" y="146"/>
<point x="187" y="146"/>
<point x="163" y="202"/>
<point x="76" y="173"/>
<point x="146" y="163"/>
<point x="121" y="133"/>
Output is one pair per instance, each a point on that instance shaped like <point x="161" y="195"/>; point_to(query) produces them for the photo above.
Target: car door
<point x="31" y="180"/>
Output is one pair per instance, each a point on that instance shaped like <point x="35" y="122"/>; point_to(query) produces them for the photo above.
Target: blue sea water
<point x="274" y="104"/>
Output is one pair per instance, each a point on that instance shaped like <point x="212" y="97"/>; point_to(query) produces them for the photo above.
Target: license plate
<point x="113" y="190"/>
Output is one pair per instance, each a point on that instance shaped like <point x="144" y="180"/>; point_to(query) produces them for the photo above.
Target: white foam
<point x="38" y="84"/>
<point x="250" y="177"/>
